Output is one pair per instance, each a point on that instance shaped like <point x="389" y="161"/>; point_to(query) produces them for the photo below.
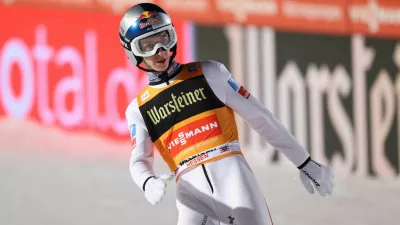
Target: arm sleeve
<point x="142" y="156"/>
<point x="258" y="117"/>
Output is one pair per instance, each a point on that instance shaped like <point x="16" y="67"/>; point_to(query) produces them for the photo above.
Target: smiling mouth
<point x="161" y="61"/>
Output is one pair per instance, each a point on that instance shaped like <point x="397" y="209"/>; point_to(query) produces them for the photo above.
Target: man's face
<point x="159" y="61"/>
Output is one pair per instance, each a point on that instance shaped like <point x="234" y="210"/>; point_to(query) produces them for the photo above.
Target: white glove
<point x="154" y="187"/>
<point x="315" y="175"/>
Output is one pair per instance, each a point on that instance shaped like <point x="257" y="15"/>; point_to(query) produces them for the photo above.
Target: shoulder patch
<point x="238" y="88"/>
<point x="132" y="129"/>
<point x="243" y="92"/>
<point x="233" y="83"/>
<point x="193" y="67"/>
<point x="145" y="95"/>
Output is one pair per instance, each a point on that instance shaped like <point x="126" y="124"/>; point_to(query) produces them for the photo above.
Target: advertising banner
<point x="338" y="94"/>
<point x="67" y="68"/>
<point x="368" y="17"/>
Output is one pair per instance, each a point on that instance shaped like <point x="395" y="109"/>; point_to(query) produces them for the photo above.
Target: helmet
<point x="142" y="21"/>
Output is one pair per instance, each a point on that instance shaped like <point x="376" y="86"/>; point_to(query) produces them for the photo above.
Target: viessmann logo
<point x="193" y="133"/>
<point x="176" y="104"/>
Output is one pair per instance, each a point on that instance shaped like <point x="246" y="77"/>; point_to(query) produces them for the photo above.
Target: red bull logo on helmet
<point x="150" y="18"/>
<point x="146" y="15"/>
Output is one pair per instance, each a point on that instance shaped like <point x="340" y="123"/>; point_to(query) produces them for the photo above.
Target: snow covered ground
<point x="65" y="181"/>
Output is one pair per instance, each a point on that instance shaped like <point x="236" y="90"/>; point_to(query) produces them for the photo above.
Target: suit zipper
<point x="207" y="177"/>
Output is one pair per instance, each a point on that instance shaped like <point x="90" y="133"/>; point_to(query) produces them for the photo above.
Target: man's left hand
<point x="315" y="175"/>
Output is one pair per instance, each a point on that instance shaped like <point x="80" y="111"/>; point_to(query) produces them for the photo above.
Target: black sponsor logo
<point x="205" y="219"/>
<point x="200" y="155"/>
<point x="311" y="178"/>
<point x="176" y="104"/>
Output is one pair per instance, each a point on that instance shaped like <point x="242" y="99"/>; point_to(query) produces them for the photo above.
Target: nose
<point x="161" y="51"/>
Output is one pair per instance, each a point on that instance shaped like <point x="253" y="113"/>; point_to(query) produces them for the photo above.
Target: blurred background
<point x="330" y="70"/>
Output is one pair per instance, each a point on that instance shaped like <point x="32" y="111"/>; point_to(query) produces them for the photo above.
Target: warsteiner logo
<point x="176" y="104"/>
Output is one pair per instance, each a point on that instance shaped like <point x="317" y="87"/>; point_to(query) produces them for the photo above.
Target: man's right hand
<point x="154" y="187"/>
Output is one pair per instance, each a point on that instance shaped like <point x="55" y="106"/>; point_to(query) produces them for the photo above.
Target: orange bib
<point x="187" y="122"/>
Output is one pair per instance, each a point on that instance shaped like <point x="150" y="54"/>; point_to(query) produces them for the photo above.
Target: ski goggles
<point x="148" y="44"/>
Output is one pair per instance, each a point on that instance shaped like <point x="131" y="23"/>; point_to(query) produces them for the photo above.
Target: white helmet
<point x="142" y="21"/>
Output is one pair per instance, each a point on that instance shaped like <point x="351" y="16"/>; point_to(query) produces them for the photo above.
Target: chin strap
<point x="148" y="70"/>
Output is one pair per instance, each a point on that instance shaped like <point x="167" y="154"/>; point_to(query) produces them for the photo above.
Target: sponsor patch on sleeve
<point x="238" y="88"/>
<point x="133" y="135"/>
<point x="234" y="85"/>
<point x="243" y="92"/>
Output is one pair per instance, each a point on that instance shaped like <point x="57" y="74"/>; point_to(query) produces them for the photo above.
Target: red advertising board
<point x="67" y="68"/>
<point x="376" y="18"/>
<point x="368" y="17"/>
